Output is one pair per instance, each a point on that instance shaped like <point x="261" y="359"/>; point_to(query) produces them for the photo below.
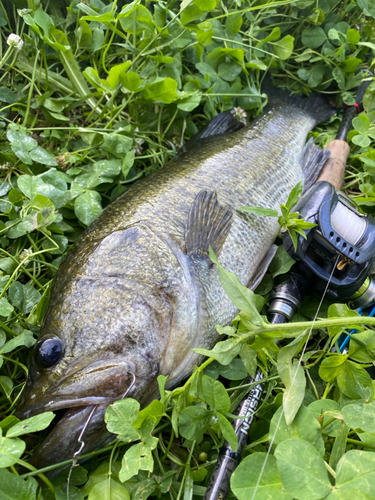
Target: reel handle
<point x="334" y="168"/>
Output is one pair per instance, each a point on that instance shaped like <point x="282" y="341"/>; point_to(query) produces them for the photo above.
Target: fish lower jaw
<point x="62" y="441"/>
<point x="57" y="404"/>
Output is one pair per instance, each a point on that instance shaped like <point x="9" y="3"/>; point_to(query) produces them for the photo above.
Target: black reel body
<point x="343" y="241"/>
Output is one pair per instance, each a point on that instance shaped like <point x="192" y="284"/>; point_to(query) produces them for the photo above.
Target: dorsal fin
<point x="312" y="160"/>
<point x="208" y="224"/>
<point x="223" y="123"/>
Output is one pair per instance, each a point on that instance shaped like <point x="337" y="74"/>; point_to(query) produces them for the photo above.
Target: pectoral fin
<point x="208" y="224"/>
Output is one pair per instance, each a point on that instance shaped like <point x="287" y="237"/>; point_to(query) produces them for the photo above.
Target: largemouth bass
<point x="138" y="292"/>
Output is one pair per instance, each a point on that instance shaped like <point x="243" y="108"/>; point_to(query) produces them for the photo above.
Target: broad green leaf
<point x="107" y="17"/>
<point x="138" y="17"/>
<point x="205" y="5"/>
<point x="115" y="73"/>
<point x="108" y="168"/>
<point x="229" y="71"/>
<point x="92" y="76"/>
<point x="321" y="406"/>
<point x="190" y="14"/>
<point x="42" y="156"/>
<point x="219" y="54"/>
<point x="31" y="186"/>
<point x="32" y="424"/>
<point x="233" y="23"/>
<point x="120" y="417"/>
<point x="206" y="69"/>
<point x="88" y="206"/>
<point x="305" y="426"/>
<point x="78" y="476"/>
<point x="281" y="263"/>
<point x="154" y="409"/>
<point x="84" y="35"/>
<point x="5" y="307"/>
<point x="284" y="47"/>
<point x="19" y="135"/>
<point x="137" y="457"/>
<point x="227" y="431"/>
<point x="316" y="75"/>
<point x="362" y="346"/>
<point x="361" y="123"/>
<point x="349" y="495"/>
<point x="249" y="359"/>
<point x="274" y="35"/>
<point x="10" y="451"/>
<point x="194" y="420"/>
<point x="293" y="377"/>
<point x="339" y="446"/>
<point x="302" y="470"/>
<point x="361" y="140"/>
<point x="100" y="474"/>
<point x="13" y="487"/>
<point x="360" y="415"/>
<point x="130" y="80"/>
<point x="356" y="470"/>
<point x="313" y="37"/>
<point x="61" y="244"/>
<point x="331" y="367"/>
<point x="127" y="163"/>
<point x="24" y="297"/>
<point x="241" y="296"/>
<point x="295" y="384"/>
<point x="189" y="103"/>
<point x="267" y="212"/>
<point x="215" y="394"/>
<point x="264" y="481"/>
<point x="223" y="352"/>
<point x="26" y="338"/>
<point x="6" y="385"/>
<point x="164" y="91"/>
<point x="109" y="489"/>
<point x="74" y="493"/>
<point x="119" y="145"/>
<point x="337" y="311"/>
<point x="294" y="195"/>
<point x="6" y="95"/>
<point x="352" y="378"/>
<point x="369" y="98"/>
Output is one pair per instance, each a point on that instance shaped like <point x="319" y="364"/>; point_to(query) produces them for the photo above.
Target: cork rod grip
<point x="334" y="168"/>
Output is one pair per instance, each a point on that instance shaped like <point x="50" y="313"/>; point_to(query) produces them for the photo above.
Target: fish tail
<point x="315" y="105"/>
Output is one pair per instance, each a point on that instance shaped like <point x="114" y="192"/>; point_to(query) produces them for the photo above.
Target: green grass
<point x="100" y="95"/>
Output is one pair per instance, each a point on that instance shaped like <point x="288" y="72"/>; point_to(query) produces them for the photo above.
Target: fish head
<point x="102" y="339"/>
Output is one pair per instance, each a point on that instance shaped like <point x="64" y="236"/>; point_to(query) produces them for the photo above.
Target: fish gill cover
<point x="95" y="95"/>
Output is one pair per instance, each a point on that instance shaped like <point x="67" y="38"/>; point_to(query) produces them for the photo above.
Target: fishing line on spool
<point x="294" y="378"/>
<point x="82" y="443"/>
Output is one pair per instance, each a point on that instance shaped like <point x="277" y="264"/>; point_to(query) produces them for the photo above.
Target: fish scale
<point x="132" y="298"/>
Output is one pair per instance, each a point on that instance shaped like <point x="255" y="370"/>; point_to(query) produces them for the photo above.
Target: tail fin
<point x="317" y="106"/>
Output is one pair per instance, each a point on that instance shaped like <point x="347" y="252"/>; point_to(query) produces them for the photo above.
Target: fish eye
<point x="49" y="351"/>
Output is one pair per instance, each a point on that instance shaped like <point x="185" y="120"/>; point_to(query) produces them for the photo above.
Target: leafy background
<point x="103" y="93"/>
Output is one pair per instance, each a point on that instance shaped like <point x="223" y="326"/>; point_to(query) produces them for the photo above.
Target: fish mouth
<point x="99" y="383"/>
<point x="76" y="413"/>
<point x="63" y="441"/>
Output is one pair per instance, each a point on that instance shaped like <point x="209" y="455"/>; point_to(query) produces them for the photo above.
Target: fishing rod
<point x="335" y="259"/>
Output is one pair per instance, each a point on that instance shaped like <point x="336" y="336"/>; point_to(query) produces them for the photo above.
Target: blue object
<point x="345" y="337"/>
